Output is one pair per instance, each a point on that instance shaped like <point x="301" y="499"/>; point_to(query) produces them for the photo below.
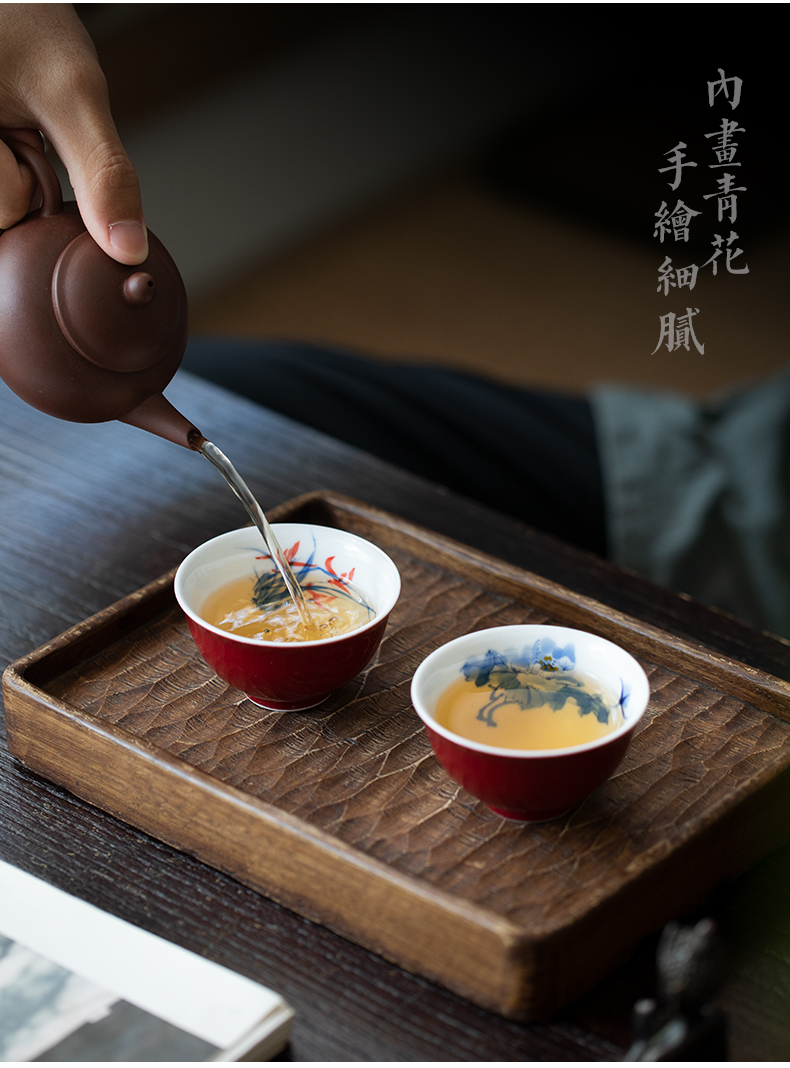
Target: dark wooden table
<point x="90" y="513"/>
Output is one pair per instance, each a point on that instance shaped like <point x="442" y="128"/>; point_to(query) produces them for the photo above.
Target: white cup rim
<point x="190" y="561"/>
<point x="525" y="629"/>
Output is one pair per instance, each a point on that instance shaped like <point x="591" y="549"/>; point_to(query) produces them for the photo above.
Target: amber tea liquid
<point x="232" y="608"/>
<point x="543" y="713"/>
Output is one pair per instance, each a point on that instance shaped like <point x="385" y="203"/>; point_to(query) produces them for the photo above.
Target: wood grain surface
<point x="343" y="813"/>
<point x="89" y="514"/>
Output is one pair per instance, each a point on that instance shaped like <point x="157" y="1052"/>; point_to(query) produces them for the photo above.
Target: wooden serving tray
<point x="343" y="814"/>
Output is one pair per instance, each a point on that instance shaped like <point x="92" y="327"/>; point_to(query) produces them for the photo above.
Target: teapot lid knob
<point x="139" y="288"/>
<point x="120" y="318"/>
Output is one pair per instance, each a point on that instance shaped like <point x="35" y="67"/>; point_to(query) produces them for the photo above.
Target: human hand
<point x="50" y="80"/>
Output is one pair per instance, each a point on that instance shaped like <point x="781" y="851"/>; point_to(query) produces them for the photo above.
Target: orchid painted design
<point x="320" y="582"/>
<point x="539" y="675"/>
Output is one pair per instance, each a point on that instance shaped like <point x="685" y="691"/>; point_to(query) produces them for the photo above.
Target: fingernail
<point x="130" y="239"/>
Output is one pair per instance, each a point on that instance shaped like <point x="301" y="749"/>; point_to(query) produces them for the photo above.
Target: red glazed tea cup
<point x="532" y="785"/>
<point x="289" y="676"/>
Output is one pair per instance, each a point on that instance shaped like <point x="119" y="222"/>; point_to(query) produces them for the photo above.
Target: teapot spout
<point x="158" y="416"/>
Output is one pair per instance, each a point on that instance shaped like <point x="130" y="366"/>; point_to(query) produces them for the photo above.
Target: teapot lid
<point x="119" y="318"/>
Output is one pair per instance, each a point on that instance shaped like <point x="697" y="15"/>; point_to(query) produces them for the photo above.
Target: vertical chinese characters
<point x="676" y="330"/>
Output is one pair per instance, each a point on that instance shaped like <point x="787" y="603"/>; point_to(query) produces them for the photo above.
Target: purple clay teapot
<point x="83" y="337"/>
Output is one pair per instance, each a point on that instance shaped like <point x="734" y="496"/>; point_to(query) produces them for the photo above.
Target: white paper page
<point x="194" y="994"/>
<point x="41" y="1002"/>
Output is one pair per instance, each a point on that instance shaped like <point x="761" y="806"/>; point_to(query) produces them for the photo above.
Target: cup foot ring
<point x="286" y="706"/>
<point x="524" y="817"/>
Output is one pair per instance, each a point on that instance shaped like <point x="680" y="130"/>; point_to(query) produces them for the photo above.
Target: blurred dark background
<point x="474" y="185"/>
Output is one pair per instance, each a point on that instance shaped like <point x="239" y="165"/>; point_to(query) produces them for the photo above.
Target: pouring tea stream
<point x="87" y="339"/>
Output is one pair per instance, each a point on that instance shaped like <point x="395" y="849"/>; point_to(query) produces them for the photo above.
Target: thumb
<point x="108" y="193"/>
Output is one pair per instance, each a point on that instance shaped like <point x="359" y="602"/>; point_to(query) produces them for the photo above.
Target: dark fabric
<point x="528" y="453"/>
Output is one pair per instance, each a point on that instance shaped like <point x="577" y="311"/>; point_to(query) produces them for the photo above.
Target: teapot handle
<point x="42" y="171"/>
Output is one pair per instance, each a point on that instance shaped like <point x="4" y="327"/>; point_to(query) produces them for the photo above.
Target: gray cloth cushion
<point x="698" y="494"/>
